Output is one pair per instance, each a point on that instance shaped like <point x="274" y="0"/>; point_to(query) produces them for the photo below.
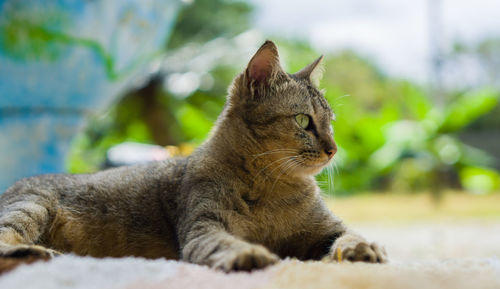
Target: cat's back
<point x="132" y="179"/>
<point x="154" y="177"/>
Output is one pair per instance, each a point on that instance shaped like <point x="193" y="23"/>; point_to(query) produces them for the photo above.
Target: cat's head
<point x="287" y="118"/>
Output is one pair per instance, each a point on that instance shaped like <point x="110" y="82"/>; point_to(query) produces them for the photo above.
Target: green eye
<point x="302" y="120"/>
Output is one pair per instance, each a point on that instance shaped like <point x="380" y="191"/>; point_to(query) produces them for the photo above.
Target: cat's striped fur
<point x="242" y="200"/>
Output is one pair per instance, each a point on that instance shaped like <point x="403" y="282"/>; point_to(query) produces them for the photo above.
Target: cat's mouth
<point x="314" y="167"/>
<point x="318" y="164"/>
<point x="307" y="163"/>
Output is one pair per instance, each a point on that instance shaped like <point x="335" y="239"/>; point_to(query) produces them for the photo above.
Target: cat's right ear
<point x="264" y="66"/>
<point x="313" y="72"/>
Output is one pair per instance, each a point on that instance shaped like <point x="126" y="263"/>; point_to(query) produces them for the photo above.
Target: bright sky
<point x="394" y="33"/>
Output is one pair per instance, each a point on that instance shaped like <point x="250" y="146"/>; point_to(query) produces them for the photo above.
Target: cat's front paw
<point x="243" y="258"/>
<point x="360" y="252"/>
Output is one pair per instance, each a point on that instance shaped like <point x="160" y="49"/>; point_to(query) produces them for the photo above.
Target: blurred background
<point x="87" y="85"/>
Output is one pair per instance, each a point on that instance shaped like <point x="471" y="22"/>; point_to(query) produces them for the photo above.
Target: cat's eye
<point x="302" y="120"/>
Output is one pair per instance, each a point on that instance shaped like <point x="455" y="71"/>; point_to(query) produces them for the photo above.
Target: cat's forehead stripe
<point x="312" y="97"/>
<point x="319" y="100"/>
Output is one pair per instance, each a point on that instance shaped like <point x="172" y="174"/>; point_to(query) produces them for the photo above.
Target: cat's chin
<point x="311" y="169"/>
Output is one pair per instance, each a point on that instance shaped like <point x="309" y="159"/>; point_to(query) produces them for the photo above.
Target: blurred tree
<point x="488" y="52"/>
<point x="471" y="67"/>
<point x="203" y="20"/>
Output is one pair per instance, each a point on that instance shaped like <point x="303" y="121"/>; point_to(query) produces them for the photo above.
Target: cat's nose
<point x="330" y="152"/>
<point x="330" y="147"/>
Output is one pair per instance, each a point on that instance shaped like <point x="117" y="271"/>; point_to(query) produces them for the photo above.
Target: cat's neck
<point x="231" y="143"/>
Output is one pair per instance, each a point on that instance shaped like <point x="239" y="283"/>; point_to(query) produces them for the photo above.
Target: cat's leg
<point x="223" y="251"/>
<point x="25" y="215"/>
<point x="205" y="239"/>
<point x="339" y="242"/>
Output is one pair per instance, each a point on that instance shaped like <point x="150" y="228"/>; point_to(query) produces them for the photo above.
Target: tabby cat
<point x="243" y="200"/>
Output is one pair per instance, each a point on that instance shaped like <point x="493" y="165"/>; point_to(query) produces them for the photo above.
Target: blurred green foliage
<point x="204" y="20"/>
<point x="390" y="134"/>
<point x="28" y="35"/>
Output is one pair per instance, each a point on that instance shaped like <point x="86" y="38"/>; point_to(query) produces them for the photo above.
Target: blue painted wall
<point x="61" y="60"/>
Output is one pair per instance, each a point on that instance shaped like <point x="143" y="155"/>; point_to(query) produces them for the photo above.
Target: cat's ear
<point x="264" y="65"/>
<point x="313" y="72"/>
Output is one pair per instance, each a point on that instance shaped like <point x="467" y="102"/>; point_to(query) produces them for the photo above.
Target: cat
<point x="243" y="200"/>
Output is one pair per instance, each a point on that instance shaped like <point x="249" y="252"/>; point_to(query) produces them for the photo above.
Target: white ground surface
<point x="432" y="253"/>
<point x="436" y="241"/>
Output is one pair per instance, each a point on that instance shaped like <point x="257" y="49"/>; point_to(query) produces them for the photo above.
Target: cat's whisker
<point x="282" y="173"/>
<point x="275" y="151"/>
<point x="328" y="170"/>
<point x="278" y="149"/>
<point x="331" y="184"/>
<point x="339" y="98"/>
<point x="336" y="103"/>
<point x="268" y="165"/>
<point x="342" y="96"/>
<point x="285" y="166"/>
<point x="334" y="171"/>
<point x="293" y="164"/>
<point x="282" y="165"/>
<point x="335" y="166"/>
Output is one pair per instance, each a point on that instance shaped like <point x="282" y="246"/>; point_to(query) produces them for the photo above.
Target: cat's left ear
<point x="264" y="67"/>
<point x="313" y="72"/>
